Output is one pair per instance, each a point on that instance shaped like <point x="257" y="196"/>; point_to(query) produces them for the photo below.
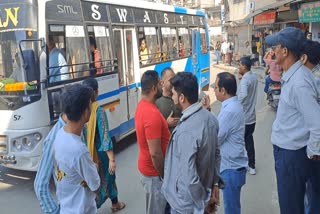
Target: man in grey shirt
<point x="234" y="159"/>
<point x="193" y="157"/>
<point x="247" y="95"/>
<point x="296" y="130"/>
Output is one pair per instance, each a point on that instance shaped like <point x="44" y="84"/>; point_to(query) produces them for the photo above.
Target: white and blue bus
<point x="29" y="101"/>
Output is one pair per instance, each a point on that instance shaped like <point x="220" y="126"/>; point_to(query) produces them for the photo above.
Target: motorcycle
<point x="273" y="95"/>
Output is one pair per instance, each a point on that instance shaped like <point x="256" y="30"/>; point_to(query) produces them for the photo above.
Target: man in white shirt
<point x="76" y="175"/>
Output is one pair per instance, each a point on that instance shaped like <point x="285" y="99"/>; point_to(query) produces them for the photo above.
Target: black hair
<point x="91" y="83"/>
<point x="186" y="83"/>
<point x="165" y="70"/>
<point x="246" y="61"/>
<point x="228" y="82"/>
<point x="75" y="100"/>
<point x="141" y="39"/>
<point x="312" y="50"/>
<point x="93" y="42"/>
<point x="149" y="79"/>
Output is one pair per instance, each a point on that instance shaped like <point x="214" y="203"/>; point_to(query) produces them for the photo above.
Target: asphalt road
<point x="259" y="195"/>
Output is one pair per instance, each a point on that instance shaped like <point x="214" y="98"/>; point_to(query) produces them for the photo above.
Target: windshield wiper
<point x="7" y="102"/>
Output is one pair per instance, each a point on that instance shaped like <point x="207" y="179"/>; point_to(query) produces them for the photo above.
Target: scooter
<point x="273" y="95"/>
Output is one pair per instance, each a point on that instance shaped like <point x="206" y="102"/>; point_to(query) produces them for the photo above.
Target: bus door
<point x="123" y="43"/>
<point x="195" y="38"/>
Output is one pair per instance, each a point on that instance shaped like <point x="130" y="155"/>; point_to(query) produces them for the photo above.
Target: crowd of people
<point x="186" y="153"/>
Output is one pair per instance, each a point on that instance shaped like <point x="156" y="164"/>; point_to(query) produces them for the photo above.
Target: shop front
<point x="309" y="14"/>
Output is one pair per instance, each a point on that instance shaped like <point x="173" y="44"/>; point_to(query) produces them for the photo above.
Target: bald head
<point x="166" y="76"/>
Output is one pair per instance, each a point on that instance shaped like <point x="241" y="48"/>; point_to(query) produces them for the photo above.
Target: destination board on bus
<point x="144" y="16"/>
<point x="17" y="17"/>
<point x="95" y="12"/>
<point x="165" y="18"/>
<point x="181" y="19"/>
<point x="121" y="14"/>
<point x="63" y="10"/>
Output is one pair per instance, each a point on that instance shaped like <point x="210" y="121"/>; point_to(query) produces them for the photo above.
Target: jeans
<point x="248" y="138"/>
<point x="267" y="83"/>
<point x="312" y="196"/>
<point x="155" y="201"/>
<point x="292" y="172"/>
<point x="234" y="180"/>
<point x="218" y="56"/>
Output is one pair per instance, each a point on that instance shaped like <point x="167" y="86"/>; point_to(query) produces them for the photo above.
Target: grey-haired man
<point x="296" y="130"/>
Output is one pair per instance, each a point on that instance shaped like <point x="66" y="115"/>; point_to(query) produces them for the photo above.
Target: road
<point x="259" y="195"/>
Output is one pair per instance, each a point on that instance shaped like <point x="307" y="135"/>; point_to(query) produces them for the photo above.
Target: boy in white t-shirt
<point x="76" y="174"/>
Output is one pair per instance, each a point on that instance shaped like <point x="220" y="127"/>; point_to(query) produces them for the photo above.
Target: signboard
<point x="166" y="18"/>
<point x="265" y="18"/>
<point x="181" y="19"/>
<point x="95" y="12"/>
<point x="15" y="17"/>
<point x="193" y="20"/>
<point x="144" y="16"/>
<point x="62" y="10"/>
<point x="309" y="12"/>
<point x="121" y="14"/>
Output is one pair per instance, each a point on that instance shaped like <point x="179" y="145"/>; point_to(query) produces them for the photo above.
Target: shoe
<point x="118" y="207"/>
<point x="252" y="171"/>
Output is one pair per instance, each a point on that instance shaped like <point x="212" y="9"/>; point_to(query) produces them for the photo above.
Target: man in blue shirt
<point x="234" y="160"/>
<point x="311" y="59"/>
<point x="57" y="63"/>
<point x="296" y="130"/>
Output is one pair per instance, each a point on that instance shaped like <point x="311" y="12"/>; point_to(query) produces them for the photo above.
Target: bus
<point x="115" y="41"/>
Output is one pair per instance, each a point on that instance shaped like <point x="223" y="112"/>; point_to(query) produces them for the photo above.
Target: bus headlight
<point x="26" y="143"/>
<point x="17" y="145"/>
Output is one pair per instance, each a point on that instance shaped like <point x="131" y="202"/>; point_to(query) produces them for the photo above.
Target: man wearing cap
<point x="247" y="95"/>
<point x="296" y="130"/>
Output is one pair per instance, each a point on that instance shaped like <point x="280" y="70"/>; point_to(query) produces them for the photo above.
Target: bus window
<point x="169" y="43"/>
<point x="67" y="59"/>
<point x="184" y="42"/>
<point x="203" y="41"/>
<point x="58" y="68"/>
<point x="100" y="49"/>
<point x="76" y="53"/>
<point x="149" y="48"/>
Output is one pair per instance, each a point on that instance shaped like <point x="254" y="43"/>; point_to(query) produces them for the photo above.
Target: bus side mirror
<point x="30" y="65"/>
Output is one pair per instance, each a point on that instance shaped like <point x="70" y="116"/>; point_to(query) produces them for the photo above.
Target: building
<point x="248" y="20"/>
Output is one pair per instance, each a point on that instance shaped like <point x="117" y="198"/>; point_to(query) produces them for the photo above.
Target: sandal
<point x="120" y="206"/>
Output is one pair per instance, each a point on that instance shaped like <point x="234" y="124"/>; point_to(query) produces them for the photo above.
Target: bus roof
<point x="152" y="6"/>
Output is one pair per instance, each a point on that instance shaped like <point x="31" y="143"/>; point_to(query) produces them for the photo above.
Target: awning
<point x="272" y="6"/>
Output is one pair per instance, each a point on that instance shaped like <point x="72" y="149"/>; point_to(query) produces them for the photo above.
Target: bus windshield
<point x="15" y="27"/>
<point x="10" y="57"/>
